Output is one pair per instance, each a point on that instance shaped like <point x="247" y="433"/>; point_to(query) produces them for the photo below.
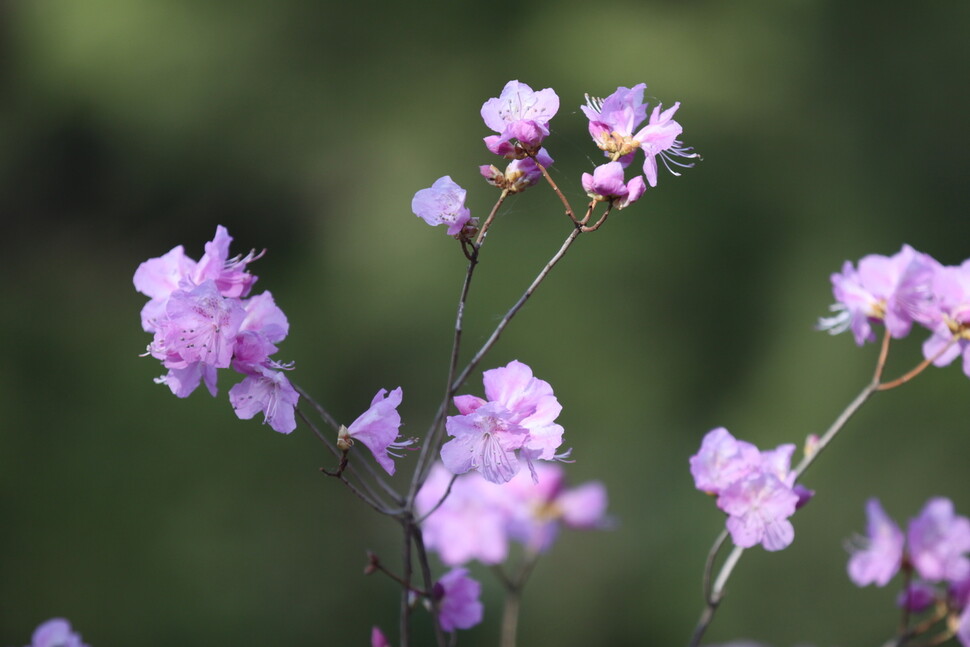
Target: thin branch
<point x="922" y="366"/>
<point x="367" y="495"/>
<point x="418" y="538"/>
<point x="330" y="420"/>
<point x="562" y="198"/>
<point x="488" y="221"/>
<point x="431" y="442"/>
<point x="487" y="346"/>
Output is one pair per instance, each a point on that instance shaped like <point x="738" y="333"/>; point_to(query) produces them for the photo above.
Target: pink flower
<point x="606" y="184"/>
<point x="948" y="316"/>
<point x="758" y="507"/>
<point x="519" y="115"/>
<point x="881" y="553"/>
<point x="755" y="488"/>
<point x="659" y="139"/>
<point x="517" y="417"/>
<point x="459" y="606"/>
<point x="56" y="632"/>
<point x="538" y="509"/>
<point x="479" y="518"/>
<point x="378" y="428"/>
<point x="612" y="122"/>
<point x="199" y="326"/>
<point x="938" y="542"/>
<point x="442" y="204"/>
<point x="721" y="460"/>
<point x="470" y="524"/>
<point x="519" y="175"/>
<point x="377" y="638"/>
<point x="895" y="290"/>
<point x="270" y="392"/>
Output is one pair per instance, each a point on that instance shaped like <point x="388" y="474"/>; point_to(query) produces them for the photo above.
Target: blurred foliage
<point x="829" y="130"/>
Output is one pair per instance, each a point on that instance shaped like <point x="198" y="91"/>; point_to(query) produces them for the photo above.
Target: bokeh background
<point x="829" y="130"/>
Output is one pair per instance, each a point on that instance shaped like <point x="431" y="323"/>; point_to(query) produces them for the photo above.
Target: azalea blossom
<point x="478" y="519"/>
<point x="948" y="317"/>
<point x="521" y="117"/>
<point x="442" y="204"/>
<point x="895" y="290"/>
<point x="755" y="488"/>
<point x="939" y="541"/>
<point x="269" y="392"/>
<point x="470" y="523"/>
<point x="721" y="460"/>
<point x="203" y="319"/>
<point x="378" y="429"/>
<point x="613" y="120"/>
<point x="377" y="638"/>
<point x="606" y="184"/>
<point x="517" y="420"/>
<point x="880" y="554"/>
<point x="459" y="606"/>
<point x="56" y="632"/>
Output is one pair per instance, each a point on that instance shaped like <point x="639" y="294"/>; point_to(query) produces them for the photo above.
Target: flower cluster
<point x="755" y="488"/>
<point x="478" y="519"/>
<point x="56" y="632"/>
<point x="521" y="116"/>
<point x="614" y="124"/>
<point x="900" y="290"/>
<point x="935" y="546"/>
<point x="518" y="416"/>
<point x="202" y="321"/>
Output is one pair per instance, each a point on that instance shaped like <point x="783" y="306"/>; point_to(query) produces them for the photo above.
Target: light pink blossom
<point x="894" y="290"/>
<point x="880" y="555"/>
<point x="442" y="204"/>
<point x="606" y="184"/>
<point x="517" y="420"/>
<point x="56" y="632"/>
<point x="378" y="428"/>
<point x="939" y="541"/>
<point x="459" y="606"/>
<point x="521" y="117"/>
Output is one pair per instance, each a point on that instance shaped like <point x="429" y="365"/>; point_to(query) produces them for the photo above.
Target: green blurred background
<point x="829" y="130"/>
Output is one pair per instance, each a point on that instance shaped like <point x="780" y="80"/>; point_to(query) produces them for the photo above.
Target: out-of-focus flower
<point x="56" y="632"/>
<point x="895" y="290"/>
<point x="521" y="117"/>
<point x="721" y="460"/>
<point x="378" y="429"/>
<point x="517" y="417"/>
<point x="917" y="596"/>
<point x="442" y="204"/>
<point x="949" y="316"/>
<point x="755" y="488"/>
<point x="479" y="518"/>
<point x="880" y="555"/>
<point x="458" y="595"/>
<point x="377" y="638"/>
<point x="470" y="524"/>
<point x="939" y="540"/>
